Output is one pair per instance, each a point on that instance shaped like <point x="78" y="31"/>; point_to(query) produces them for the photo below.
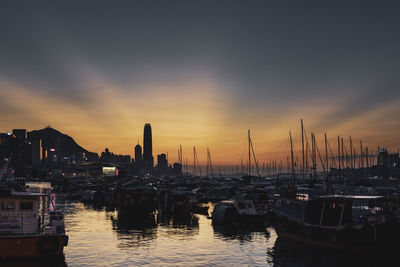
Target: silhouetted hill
<point x="63" y="143"/>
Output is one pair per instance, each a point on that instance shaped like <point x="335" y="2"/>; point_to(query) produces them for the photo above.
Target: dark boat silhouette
<point x="345" y="222"/>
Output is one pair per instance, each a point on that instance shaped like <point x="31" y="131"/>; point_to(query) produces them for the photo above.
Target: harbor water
<point x="98" y="237"/>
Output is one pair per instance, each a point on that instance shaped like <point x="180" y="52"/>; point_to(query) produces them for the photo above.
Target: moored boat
<point x="344" y="222"/>
<point x="29" y="227"/>
<point x="136" y="198"/>
<point x="242" y="210"/>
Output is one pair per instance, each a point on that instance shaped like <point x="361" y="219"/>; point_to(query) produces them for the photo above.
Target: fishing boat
<point x="345" y="222"/>
<point x="30" y="226"/>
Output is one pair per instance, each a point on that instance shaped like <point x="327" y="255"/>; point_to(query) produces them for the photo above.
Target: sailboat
<point x="246" y="206"/>
<point x="353" y="223"/>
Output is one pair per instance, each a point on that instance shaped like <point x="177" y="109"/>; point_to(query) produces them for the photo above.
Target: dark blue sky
<point x="331" y="62"/>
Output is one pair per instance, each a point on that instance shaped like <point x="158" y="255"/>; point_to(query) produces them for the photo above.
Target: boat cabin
<point x="329" y="210"/>
<point x="19" y="212"/>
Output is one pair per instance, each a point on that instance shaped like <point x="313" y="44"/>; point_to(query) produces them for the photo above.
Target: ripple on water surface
<point x="100" y="238"/>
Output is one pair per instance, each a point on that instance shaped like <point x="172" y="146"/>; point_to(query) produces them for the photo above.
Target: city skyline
<point x="202" y="74"/>
<point x="280" y="161"/>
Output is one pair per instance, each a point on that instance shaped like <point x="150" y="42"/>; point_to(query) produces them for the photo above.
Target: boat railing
<point x="19" y="224"/>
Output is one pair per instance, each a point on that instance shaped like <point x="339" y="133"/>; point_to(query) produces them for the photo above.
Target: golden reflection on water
<point x="101" y="238"/>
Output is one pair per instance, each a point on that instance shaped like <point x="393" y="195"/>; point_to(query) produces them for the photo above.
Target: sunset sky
<point x="202" y="73"/>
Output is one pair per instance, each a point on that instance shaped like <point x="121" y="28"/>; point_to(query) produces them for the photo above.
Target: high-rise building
<point x="148" y="147"/>
<point x="36" y="149"/>
<point x="138" y="153"/>
<point x="138" y="159"/>
<point x="162" y="164"/>
<point x="22" y="152"/>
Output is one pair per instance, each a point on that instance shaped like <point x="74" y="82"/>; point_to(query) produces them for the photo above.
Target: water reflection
<point x="186" y="220"/>
<point x="124" y="223"/>
<point x="102" y="238"/>
<point x="134" y="231"/>
<point x="240" y="232"/>
<point x="182" y="226"/>
<point x="39" y="262"/>
<point x="286" y="252"/>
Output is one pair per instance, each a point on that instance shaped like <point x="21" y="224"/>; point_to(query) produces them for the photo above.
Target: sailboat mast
<point x="241" y="166"/>
<point x="338" y="143"/>
<point x="326" y="154"/>
<point x="351" y="153"/>
<point x="209" y="164"/>
<point x="194" y="161"/>
<point x="314" y="155"/>
<point x="181" y="160"/>
<point x="291" y="155"/>
<point x="361" y="155"/>
<point x="307" y="148"/>
<point x="342" y="154"/>
<point x="302" y="146"/>
<point x="254" y="156"/>
<point x="249" y="169"/>
<point x="207" y="168"/>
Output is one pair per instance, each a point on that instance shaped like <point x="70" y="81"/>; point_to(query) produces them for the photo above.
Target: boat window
<point x="8" y="205"/>
<point x="26" y="206"/>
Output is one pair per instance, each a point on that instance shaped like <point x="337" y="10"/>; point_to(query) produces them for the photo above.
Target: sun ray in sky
<point x="201" y="76"/>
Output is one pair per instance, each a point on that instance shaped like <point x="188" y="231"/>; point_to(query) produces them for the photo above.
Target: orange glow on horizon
<point x="114" y="117"/>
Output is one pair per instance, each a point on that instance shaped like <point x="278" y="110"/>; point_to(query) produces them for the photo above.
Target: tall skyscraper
<point x="148" y="147"/>
<point x="138" y="153"/>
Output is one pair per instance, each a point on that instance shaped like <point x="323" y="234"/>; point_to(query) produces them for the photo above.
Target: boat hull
<point x="380" y="238"/>
<point x="32" y="246"/>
